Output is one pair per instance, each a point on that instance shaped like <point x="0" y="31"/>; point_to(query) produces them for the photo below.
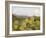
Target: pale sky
<point x="26" y="11"/>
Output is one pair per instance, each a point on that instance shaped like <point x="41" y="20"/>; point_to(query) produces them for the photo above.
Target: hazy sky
<point x="26" y="11"/>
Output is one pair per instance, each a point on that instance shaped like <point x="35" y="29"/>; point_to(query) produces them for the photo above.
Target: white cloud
<point x="26" y="11"/>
